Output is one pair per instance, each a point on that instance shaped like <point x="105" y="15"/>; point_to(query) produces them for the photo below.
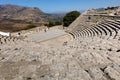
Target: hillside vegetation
<point x="15" y="18"/>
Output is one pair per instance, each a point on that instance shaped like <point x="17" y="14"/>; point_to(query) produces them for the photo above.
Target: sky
<point x="52" y="6"/>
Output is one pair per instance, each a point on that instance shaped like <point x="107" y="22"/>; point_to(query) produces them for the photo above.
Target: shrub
<point x="70" y="17"/>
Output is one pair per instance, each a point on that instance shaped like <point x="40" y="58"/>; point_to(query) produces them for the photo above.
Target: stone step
<point x="99" y="30"/>
<point x="97" y="74"/>
<point x="96" y="31"/>
<point x="104" y="33"/>
<point x="87" y="33"/>
<point x="114" y="23"/>
<point x="115" y="28"/>
<point x="82" y="33"/>
<point x="106" y="30"/>
<point x="112" y="30"/>
<point x="112" y="73"/>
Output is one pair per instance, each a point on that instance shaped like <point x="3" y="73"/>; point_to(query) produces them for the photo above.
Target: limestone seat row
<point x="7" y="39"/>
<point x="105" y="29"/>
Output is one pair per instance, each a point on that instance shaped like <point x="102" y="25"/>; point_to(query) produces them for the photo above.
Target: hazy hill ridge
<point x="15" y="12"/>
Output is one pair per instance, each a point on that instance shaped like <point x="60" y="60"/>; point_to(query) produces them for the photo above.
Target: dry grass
<point x="12" y="27"/>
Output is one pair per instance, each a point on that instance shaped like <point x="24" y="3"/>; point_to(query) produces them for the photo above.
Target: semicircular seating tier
<point x="107" y="28"/>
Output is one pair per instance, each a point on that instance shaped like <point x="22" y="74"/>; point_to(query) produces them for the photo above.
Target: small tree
<point x="51" y="24"/>
<point x="70" y="17"/>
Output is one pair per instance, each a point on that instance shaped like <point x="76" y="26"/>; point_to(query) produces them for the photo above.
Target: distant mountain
<point x="29" y="14"/>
